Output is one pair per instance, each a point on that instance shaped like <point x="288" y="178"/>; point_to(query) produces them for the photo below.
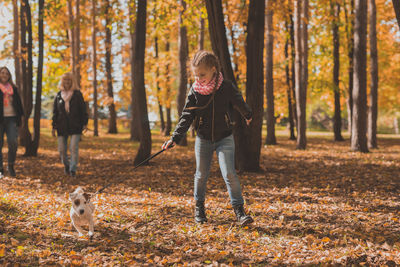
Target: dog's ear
<point x="86" y="196"/>
<point x="79" y="190"/>
<point x="72" y="196"/>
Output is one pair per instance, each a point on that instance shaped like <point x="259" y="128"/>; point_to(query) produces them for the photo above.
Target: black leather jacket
<point x="72" y="122"/>
<point x="214" y="121"/>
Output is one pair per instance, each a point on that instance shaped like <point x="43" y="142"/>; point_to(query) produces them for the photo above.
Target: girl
<point x="209" y="104"/>
<point x="10" y="118"/>
<point x="69" y="119"/>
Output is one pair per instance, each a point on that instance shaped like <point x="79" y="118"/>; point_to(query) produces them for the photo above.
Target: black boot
<point x="11" y="170"/>
<point x="241" y="216"/>
<point x="199" y="213"/>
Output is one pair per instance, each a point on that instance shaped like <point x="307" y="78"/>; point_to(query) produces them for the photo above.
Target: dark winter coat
<point x="72" y="122"/>
<point x="16" y="103"/>
<point x="214" y="122"/>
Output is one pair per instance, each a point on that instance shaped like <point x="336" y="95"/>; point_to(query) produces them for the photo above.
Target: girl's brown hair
<point x="10" y="81"/>
<point x="207" y="58"/>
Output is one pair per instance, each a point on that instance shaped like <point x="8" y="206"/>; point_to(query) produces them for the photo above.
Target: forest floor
<point x="325" y="205"/>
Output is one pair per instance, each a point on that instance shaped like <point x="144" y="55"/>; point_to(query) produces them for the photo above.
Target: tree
<point x="26" y="73"/>
<point x="219" y="45"/>
<point x="16" y="46"/>
<point x="183" y="56"/>
<point x="270" y="139"/>
<point x="337" y="118"/>
<point x="135" y="119"/>
<point x="160" y="107"/>
<point x="396" y="6"/>
<point x="255" y="82"/>
<point x="138" y="83"/>
<point x="94" y="69"/>
<point x="301" y="68"/>
<point x="112" y="121"/>
<point x="168" y="124"/>
<point x="373" y="96"/>
<point x="358" y="136"/>
<point x="350" y="55"/>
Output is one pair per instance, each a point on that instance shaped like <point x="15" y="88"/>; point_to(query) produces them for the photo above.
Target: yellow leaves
<point x="2" y="250"/>
<point x="20" y="251"/>
<point x="326" y="240"/>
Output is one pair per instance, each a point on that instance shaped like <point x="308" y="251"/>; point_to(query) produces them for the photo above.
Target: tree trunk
<point x="71" y="33"/>
<point x="337" y="118"/>
<point x="292" y="63"/>
<point x="77" y="43"/>
<point x="301" y="68"/>
<point x="135" y="119"/>
<point x="289" y="86"/>
<point x="27" y="74"/>
<point x="38" y="96"/>
<point x="373" y="97"/>
<point x="160" y="108"/>
<point x="350" y="55"/>
<point x="16" y="46"/>
<point x="94" y="69"/>
<point x="219" y="44"/>
<point x="359" y="127"/>
<point x="112" y="121"/>
<point x="138" y="82"/>
<point x="168" y="126"/>
<point x="270" y="139"/>
<point x="396" y="6"/>
<point x="255" y="83"/>
<point x="183" y="56"/>
<point x="201" y="34"/>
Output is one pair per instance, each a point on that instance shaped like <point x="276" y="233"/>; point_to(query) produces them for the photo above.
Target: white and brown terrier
<point x="81" y="212"/>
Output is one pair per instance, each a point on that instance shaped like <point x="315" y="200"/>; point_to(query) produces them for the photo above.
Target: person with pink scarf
<point x="10" y="118"/>
<point x="70" y="118"/>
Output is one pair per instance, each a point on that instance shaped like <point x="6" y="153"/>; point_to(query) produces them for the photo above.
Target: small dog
<point x="81" y="211"/>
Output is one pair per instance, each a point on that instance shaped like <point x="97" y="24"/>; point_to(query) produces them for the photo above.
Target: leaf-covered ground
<point x="325" y="205"/>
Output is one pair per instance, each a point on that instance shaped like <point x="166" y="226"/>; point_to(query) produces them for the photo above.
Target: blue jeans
<point x="225" y="149"/>
<point x="9" y="126"/>
<point x="74" y="149"/>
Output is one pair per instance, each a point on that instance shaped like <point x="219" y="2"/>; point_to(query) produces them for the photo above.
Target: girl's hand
<point x="248" y="121"/>
<point x="168" y="144"/>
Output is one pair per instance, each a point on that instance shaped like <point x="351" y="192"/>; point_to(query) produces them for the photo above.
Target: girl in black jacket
<point x="209" y="104"/>
<point x="10" y="118"/>
<point x="69" y="119"/>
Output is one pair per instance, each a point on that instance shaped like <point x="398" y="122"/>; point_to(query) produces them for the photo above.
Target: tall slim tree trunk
<point x="350" y="55"/>
<point x="38" y="96"/>
<point x="71" y="33"/>
<point x="201" y="34"/>
<point x="270" y="139"/>
<point x="289" y="86"/>
<point x="135" y="119"/>
<point x="373" y="97"/>
<point x="27" y="74"/>
<point x="292" y="64"/>
<point x="112" y="121"/>
<point x="337" y="119"/>
<point x="160" y="107"/>
<point x="168" y="126"/>
<point x="16" y="46"/>
<point x="77" y="42"/>
<point x="396" y="6"/>
<point x="301" y="68"/>
<point x="94" y="69"/>
<point x="359" y="127"/>
<point x="183" y="56"/>
<point x="138" y="82"/>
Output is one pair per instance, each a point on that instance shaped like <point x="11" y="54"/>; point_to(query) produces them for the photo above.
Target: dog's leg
<point x="91" y="227"/>
<point x="78" y="228"/>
